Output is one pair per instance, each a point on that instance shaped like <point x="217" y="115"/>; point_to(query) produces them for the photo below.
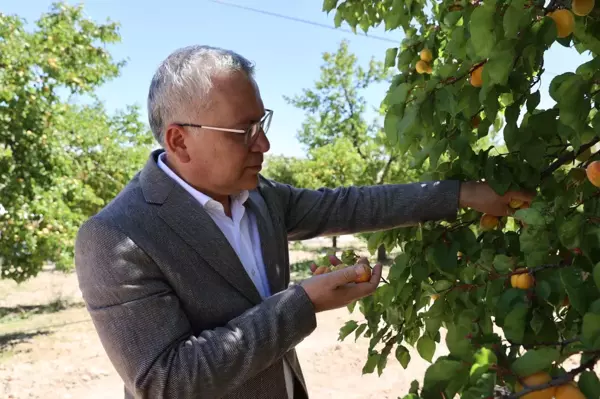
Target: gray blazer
<point x="173" y="306"/>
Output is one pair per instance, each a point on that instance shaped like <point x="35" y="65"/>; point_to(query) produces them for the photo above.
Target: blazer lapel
<point x="190" y="221"/>
<point x="269" y="242"/>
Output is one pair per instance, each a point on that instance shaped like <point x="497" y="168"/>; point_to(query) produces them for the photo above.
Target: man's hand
<point x="482" y="198"/>
<point x="337" y="288"/>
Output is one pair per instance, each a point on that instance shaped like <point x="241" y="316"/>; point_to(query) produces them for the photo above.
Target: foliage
<point x="59" y="162"/>
<point x="487" y="61"/>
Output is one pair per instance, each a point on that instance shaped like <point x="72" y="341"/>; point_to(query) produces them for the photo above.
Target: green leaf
<point x="442" y="285"/>
<point x="590" y="330"/>
<point x="530" y="216"/>
<point x="499" y="67"/>
<point x="481" y="27"/>
<point x="329" y="5"/>
<point x="502" y="263"/>
<point x="572" y="280"/>
<point x="442" y="371"/>
<point x="515" y="18"/>
<point x="390" y="126"/>
<point x="589" y="384"/>
<point x="390" y="57"/>
<point x="484" y="358"/>
<point x="535" y="360"/>
<point x="347" y="329"/>
<point x="403" y="356"/>
<point x="371" y="363"/>
<point x="426" y="347"/>
<point x="457" y="343"/>
<point x="597" y="275"/>
<point x="537" y="321"/>
<point x="515" y="323"/>
<point x="571" y="230"/>
<point x="533" y="100"/>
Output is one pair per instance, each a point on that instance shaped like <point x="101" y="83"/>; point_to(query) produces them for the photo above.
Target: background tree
<point x="59" y="162"/>
<point x="516" y="296"/>
<point x="343" y="146"/>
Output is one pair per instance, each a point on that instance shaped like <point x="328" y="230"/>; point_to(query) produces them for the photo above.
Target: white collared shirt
<point x="242" y="233"/>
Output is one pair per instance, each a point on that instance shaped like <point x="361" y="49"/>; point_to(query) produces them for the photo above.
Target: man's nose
<point x="261" y="144"/>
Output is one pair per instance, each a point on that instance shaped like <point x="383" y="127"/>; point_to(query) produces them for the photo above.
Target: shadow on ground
<point x="7" y="341"/>
<point x="25" y="311"/>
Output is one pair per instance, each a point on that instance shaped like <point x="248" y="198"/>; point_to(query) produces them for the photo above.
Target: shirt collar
<point x="204" y="199"/>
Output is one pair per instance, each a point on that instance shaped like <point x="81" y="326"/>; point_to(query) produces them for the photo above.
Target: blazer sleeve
<point x="357" y="209"/>
<point x="148" y="338"/>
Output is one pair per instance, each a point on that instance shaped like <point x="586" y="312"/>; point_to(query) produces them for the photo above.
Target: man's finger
<point x="334" y="260"/>
<point x="376" y="274"/>
<point x="346" y="275"/>
<point x="521" y="196"/>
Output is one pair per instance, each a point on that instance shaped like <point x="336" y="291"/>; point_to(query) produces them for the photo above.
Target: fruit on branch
<point x="593" y="173"/>
<point x="536" y="379"/>
<point x="564" y="21"/>
<point x="516" y="203"/>
<point x="476" y="78"/>
<point x="523" y="281"/>
<point x="475" y="121"/>
<point x="488" y="222"/>
<point x="365" y="275"/>
<point x="582" y="7"/>
<point x="569" y="391"/>
<point x="327" y="264"/>
<point x="426" y="55"/>
<point x="422" y="67"/>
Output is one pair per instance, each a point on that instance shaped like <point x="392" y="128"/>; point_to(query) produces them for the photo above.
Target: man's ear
<point x="175" y="143"/>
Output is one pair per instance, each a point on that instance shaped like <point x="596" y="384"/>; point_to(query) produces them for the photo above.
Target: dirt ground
<point x="49" y="348"/>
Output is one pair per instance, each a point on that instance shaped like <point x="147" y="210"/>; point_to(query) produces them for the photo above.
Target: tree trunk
<point x="381" y="254"/>
<point x="334" y="242"/>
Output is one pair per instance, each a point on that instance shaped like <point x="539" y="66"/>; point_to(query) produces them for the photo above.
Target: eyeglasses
<point x="250" y="134"/>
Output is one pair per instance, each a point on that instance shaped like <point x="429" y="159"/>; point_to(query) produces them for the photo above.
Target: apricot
<point x="421" y="67"/>
<point x="582" y="7"/>
<point x="593" y="173"/>
<point x="429" y="69"/>
<point x="568" y="391"/>
<point x="320" y="270"/>
<point x="365" y="275"/>
<point x="426" y="55"/>
<point x="523" y="281"/>
<point x="515" y="203"/>
<point x="564" y="21"/>
<point x="488" y="222"/>
<point x="536" y="379"/>
<point x="476" y="78"/>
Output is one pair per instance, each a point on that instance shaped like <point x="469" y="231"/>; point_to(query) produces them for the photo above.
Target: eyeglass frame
<point x="247" y="132"/>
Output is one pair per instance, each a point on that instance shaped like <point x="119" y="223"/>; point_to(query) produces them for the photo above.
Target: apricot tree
<point x="516" y="297"/>
<point x="60" y="161"/>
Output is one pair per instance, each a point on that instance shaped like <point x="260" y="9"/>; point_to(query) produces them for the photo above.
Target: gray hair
<point x="184" y="79"/>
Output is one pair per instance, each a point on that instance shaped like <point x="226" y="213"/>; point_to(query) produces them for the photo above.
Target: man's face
<point x="216" y="162"/>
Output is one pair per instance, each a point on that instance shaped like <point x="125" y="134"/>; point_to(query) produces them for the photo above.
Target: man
<point x="186" y="272"/>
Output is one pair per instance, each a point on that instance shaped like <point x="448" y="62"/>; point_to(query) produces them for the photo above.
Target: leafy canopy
<point x="466" y="70"/>
<point x="60" y="161"/>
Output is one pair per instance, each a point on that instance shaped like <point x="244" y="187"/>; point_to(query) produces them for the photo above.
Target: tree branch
<point x="351" y="118"/>
<point x="386" y="169"/>
<point x="556" y="381"/>
<point x="568" y="157"/>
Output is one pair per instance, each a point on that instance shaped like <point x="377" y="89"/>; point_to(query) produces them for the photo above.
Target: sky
<point x="287" y="52"/>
